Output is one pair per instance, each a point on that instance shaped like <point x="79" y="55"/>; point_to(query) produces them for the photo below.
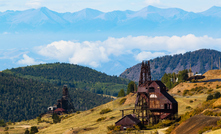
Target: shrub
<point x="122" y="101"/>
<point x="217" y="86"/>
<point x="208" y="113"/>
<point x="130" y="129"/>
<point x="121" y="93"/>
<point x="112" y="117"/>
<point x="191" y="101"/>
<point x="117" y="128"/>
<point x="185" y="92"/>
<point x="78" y="112"/>
<point x="218" y="122"/>
<point x="205" y="129"/>
<point x="2" y="123"/>
<point x="56" y="118"/>
<point x="34" y="129"/>
<point x="6" y="128"/>
<point x="111" y="127"/>
<point x="100" y="119"/>
<point x="9" y="123"/>
<point x="39" y="119"/>
<point x="136" y="127"/>
<point x="155" y="132"/>
<point x="209" y="97"/>
<point x="104" y="111"/>
<point x="188" y="107"/>
<point x="217" y="95"/>
<point x="209" y="91"/>
<point x="26" y="131"/>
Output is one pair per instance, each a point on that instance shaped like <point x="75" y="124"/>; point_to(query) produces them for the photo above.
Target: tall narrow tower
<point x="145" y="76"/>
<point x="65" y="102"/>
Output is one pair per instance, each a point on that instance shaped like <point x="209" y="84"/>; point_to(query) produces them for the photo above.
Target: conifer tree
<point x="121" y="93"/>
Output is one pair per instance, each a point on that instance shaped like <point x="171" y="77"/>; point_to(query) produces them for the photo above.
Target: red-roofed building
<point x="59" y="111"/>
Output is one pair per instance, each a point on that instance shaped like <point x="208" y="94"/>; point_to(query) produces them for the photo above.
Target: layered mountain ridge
<point x="149" y="19"/>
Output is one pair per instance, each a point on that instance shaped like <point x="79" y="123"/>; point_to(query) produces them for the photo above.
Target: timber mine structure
<point x="65" y="102"/>
<point x="153" y="102"/>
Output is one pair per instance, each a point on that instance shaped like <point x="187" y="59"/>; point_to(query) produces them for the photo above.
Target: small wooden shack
<point x="127" y="121"/>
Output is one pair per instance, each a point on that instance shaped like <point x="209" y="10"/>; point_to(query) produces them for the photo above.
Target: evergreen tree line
<point x="72" y="75"/>
<point x="131" y="87"/>
<point x="171" y="80"/>
<point x="22" y="99"/>
<point x="205" y="59"/>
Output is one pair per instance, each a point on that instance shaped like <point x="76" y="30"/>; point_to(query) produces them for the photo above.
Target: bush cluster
<point x="211" y="113"/>
<point x="104" y="111"/>
<point x="56" y="118"/>
<point x="215" y="96"/>
<point x="122" y="101"/>
<point x="217" y="86"/>
<point x="100" y="119"/>
<point x="33" y="130"/>
<point x="189" y="107"/>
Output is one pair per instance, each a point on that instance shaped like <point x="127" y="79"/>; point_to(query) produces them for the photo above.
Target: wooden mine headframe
<point x="142" y="100"/>
<point x="153" y="102"/>
<point x="65" y="102"/>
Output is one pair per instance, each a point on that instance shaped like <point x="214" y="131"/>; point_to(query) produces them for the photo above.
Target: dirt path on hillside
<point x="162" y="131"/>
<point x="23" y="126"/>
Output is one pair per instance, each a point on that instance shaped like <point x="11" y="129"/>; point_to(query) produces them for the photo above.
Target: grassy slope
<point x="85" y="122"/>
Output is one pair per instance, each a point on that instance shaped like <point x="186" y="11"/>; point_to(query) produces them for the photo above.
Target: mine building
<point x="128" y="121"/>
<point x="64" y="105"/>
<point x="153" y="103"/>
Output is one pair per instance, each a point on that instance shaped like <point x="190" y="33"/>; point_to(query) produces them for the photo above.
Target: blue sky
<point x="101" y="52"/>
<point x="107" y="5"/>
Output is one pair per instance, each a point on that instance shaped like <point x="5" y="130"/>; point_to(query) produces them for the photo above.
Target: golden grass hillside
<point x="212" y="74"/>
<point x="217" y="103"/>
<point x="86" y="121"/>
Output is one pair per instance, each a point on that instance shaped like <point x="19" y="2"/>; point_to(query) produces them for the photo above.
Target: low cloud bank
<point x="94" y="53"/>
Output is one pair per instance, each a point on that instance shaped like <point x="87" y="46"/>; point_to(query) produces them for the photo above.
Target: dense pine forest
<point x="200" y="61"/>
<point x="74" y="76"/>
<point x="22" y="98"/>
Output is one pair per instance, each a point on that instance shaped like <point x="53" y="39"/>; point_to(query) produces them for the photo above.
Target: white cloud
<point x="34" y="3"/>
<point x="28" y="60"/>
<point x="6" y="33"/>
<point x="151" y="2"/>
<point x="88" y="53"/>
<point x="148" y="55"/>
<point x="94" y="53"/>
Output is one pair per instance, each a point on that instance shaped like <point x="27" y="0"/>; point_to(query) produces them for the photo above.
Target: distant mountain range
<point x="147" y="20"/>
<point x="200" y="61"/>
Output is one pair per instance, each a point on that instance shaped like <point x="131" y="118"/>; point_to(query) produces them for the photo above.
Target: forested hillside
<point x="22" y="98"/>
<point x="201" y="61"/>
<point x="74" y="76"/>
